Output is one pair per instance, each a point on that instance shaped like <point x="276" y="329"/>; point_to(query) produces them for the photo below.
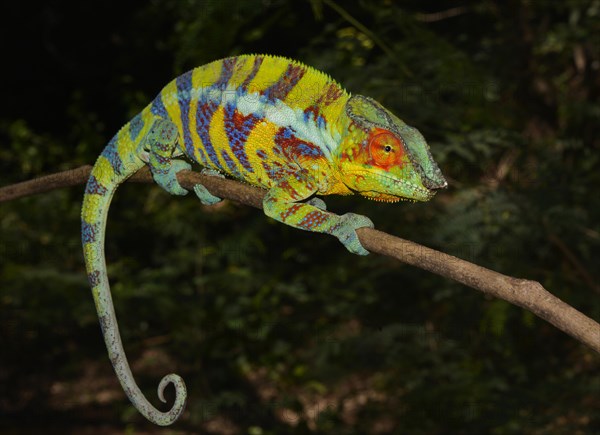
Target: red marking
<point x="333" y="93"/>
<point x="206" y="109"/>
<point x="242" y="122"/>
<point x="312" y="220"/>
<point x="287" y="187"/>
<point x="345" y="157"/>
<point x="290" y="211"/>
<point x="295" y="149"/>
<point x="314" y="109"/>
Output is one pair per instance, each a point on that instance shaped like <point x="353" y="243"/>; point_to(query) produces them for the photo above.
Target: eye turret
<point x="385" y="148"/>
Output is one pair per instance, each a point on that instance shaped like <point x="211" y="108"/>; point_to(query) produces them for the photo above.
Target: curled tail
<point x="118" y="161"/>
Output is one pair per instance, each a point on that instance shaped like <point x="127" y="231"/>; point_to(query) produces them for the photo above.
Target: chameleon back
<point x="253" y="117"/>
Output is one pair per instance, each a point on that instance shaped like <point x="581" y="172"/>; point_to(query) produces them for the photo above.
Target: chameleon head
<point x="382" y="158"/>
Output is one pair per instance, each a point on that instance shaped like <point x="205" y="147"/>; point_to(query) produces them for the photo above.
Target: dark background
<point x="277" y="331"/>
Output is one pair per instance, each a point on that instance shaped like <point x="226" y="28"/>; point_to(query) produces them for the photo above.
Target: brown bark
<point x="521" y="292"/>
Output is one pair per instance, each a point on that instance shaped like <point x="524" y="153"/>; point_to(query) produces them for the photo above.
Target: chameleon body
<point x="273" y="123"/>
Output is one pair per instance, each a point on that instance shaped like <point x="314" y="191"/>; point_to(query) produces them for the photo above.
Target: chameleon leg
<point x="162" y="139"/>
<point x="203" y="194"/>
<point x="282" y="204"/>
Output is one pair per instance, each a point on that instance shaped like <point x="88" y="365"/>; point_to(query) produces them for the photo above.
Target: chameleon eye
<point x="385" y="148"/>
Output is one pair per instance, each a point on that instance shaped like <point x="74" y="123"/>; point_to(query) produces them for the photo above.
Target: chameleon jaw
<point x="384" y="197"/>
<point x="413" y="191"/>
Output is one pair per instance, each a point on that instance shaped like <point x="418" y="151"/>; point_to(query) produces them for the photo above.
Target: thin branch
<point x="361" y="27"/>
<point x="523" y="293"/>
<point x="44" y="184"/>
<point x="572" y="258"/>
<point x="366" y="31"/>
<point x="443" y="15"/>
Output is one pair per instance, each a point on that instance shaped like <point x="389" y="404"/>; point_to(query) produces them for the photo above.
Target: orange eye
<point x="385" y="149"/>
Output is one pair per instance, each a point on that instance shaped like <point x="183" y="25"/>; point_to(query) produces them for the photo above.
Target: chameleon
<point x="273" y="123"/>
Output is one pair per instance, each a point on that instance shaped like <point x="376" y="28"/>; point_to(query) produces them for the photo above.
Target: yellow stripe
<point x="207" y="75"/>
<point x="333" y="111"/>
<point x="148" y="118"/>
<point x="125" y="146"/>
<point x="90" y="253"/>
<point x="217" y="134"/>
<point x="242" y="70"/>
<point x="104" y="172"/>
<point x="91" y="213"/>
<point x="269" y="72"/>
<point x="197" y="77"/>
<point x="263" y="133"/>
<point x="307" y="90"/>
<point x="169" y="98"/>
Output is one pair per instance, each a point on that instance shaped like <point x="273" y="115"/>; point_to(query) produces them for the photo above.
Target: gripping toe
<point x="346" y="232"/>
<point x="205" y="196"/>
<point x="317" y="202"/>
<point x="168" y="180"/>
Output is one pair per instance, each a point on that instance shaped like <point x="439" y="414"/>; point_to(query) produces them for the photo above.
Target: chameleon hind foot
<point x="202" y="192"/>
<point x="345" y="231"/>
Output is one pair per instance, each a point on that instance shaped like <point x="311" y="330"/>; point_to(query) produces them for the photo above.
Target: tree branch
<point x="439" y="16"/>
<point x="523" y="293"/>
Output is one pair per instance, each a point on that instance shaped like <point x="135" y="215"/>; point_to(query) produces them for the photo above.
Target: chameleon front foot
<point x="162" y="140"/>
<point x="168" y="180"/>
<point x="345" y="231"/>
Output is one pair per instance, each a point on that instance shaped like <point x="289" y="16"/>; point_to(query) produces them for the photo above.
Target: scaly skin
<point x="273" y="123"/>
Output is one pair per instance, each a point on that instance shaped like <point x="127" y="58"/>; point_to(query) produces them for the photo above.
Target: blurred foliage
<point x="277" y="331"/>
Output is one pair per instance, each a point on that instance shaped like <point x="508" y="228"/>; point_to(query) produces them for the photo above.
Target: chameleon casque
<point x="270" y="122"/>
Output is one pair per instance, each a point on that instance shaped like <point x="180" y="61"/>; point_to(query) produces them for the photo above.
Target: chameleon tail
<point x="117" y="162"/>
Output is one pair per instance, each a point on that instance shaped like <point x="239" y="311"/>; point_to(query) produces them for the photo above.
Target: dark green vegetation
<point x="262" y="320"/>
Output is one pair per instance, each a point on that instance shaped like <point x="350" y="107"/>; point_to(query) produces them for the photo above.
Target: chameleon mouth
<point x="386" y="197"/>
<point x="414" y="191"/>
<point x="382" y="197"/>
